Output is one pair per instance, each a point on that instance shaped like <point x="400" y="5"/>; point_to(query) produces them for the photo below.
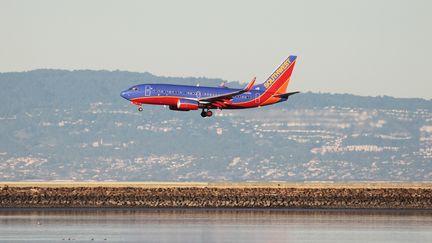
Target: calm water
<point x="215" y="226"/>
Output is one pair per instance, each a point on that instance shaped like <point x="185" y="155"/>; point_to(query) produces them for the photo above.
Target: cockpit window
<point x="134" y="88"/>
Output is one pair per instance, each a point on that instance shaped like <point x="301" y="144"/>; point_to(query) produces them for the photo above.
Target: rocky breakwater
<point x="214" y="197"/>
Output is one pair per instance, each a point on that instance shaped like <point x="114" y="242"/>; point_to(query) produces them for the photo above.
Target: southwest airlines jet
<point x="186" y="98"/>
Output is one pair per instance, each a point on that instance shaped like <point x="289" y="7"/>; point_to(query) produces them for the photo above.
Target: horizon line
<point x="203" y="77"/>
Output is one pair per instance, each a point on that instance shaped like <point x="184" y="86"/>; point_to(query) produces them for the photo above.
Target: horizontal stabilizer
<point x="286" y="95"/>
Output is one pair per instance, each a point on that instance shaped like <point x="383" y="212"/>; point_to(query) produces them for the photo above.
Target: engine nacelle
<point x="185" y="105"/>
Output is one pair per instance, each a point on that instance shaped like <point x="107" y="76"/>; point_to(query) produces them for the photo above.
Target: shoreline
<point x="247" y="195"/>
<point x="155" y="184"/>
<point x="216" y="210"/>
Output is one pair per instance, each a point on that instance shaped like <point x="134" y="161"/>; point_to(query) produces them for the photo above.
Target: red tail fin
<point x="279" y="79"/>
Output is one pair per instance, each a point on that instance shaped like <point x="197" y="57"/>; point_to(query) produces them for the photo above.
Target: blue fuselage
<point x="185" y="91"/>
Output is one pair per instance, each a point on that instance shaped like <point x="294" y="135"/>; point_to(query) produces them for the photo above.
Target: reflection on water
<point x="179" y="225"/>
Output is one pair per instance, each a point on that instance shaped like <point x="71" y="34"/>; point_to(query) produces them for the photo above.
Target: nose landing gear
<point x="140" y="108"/>
<point x="206" y="113"/>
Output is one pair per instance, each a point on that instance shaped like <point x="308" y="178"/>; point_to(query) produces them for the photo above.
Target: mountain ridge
<point x="73" y="125"/>
<point x="236" y="84"/>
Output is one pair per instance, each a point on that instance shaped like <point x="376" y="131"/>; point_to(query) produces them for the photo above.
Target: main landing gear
<point x="140" y="108"/>
<point x="207" y="112"/>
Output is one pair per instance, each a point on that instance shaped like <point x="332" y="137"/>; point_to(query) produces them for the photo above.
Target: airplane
<point x="186" y="97"/>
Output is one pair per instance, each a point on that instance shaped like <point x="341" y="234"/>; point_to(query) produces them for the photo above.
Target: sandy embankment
<point x="220" y="195"/>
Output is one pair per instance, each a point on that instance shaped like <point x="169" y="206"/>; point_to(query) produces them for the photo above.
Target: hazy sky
<point x="360" y="47"/>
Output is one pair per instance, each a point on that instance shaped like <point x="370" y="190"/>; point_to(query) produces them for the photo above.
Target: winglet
<point x="249" y="86"/>
<point x="222" y="85"/>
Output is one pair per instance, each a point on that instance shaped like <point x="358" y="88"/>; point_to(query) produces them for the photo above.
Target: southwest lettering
<point x="277" y="73"/>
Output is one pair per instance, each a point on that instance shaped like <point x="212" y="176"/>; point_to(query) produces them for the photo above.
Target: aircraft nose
<point x="125" y="95"/>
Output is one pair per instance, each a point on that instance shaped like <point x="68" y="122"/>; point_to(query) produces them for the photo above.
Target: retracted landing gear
<point x="206" y="113"/>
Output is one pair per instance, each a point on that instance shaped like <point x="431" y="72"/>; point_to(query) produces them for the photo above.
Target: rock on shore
<point x="210" y="197"/>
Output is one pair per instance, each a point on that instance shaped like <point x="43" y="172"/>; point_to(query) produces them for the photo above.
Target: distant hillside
<point x="45" y="87"/>
<point x="58" y="124"/>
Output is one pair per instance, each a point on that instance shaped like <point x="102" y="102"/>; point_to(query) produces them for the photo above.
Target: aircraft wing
<point x="218" y="99"/>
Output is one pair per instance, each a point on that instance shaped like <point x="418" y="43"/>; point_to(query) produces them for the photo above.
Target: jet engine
<point x="185" y="105"/>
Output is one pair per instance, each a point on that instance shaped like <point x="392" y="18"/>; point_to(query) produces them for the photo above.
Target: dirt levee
<point x="215" y="195"/>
